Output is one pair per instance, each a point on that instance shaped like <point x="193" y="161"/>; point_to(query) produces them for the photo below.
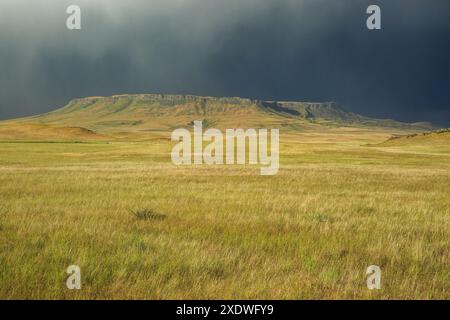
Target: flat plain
<point x="141" y="228"/>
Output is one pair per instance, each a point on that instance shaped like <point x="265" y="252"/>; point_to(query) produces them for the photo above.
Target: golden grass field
<point x="343" y="200"/>
<point x="336" y="207"/>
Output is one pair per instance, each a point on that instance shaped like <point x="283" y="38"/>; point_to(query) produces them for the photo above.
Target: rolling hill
<point x="433" y="138"/>
<point x="44" y="132"/>
<point x="116" y="116"/>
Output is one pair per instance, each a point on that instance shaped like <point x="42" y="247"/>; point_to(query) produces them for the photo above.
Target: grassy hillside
<point x="134" y="116"/>
<point x="436" y="142"/>
<point x="434" y="138"/>
<point x="44" y="132"/>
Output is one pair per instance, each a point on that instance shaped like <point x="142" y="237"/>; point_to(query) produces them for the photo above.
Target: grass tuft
<point x="148" y="214"/>
<point x="319" y="217"/>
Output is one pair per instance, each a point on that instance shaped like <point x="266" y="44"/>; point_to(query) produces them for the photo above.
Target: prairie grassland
<point x="336" y="207"/>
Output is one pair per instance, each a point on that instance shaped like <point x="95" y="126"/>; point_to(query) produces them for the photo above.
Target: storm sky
<point x="306" y="50"/>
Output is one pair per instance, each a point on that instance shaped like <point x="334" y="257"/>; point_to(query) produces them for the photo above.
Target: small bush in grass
<point x="319" y="217"/>
<point x="148" y="214"/>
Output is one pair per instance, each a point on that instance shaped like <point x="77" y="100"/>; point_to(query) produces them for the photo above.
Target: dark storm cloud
<point x="311" y="50"/>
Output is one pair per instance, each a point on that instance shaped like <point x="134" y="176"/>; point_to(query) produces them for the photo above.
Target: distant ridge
<point x="159" y="112"/>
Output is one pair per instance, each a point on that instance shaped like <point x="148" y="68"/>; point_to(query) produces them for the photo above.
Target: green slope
<point x="143" y="113"/>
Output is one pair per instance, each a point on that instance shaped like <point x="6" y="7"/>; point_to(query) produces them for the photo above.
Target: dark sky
<point x="306" y="50"/>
